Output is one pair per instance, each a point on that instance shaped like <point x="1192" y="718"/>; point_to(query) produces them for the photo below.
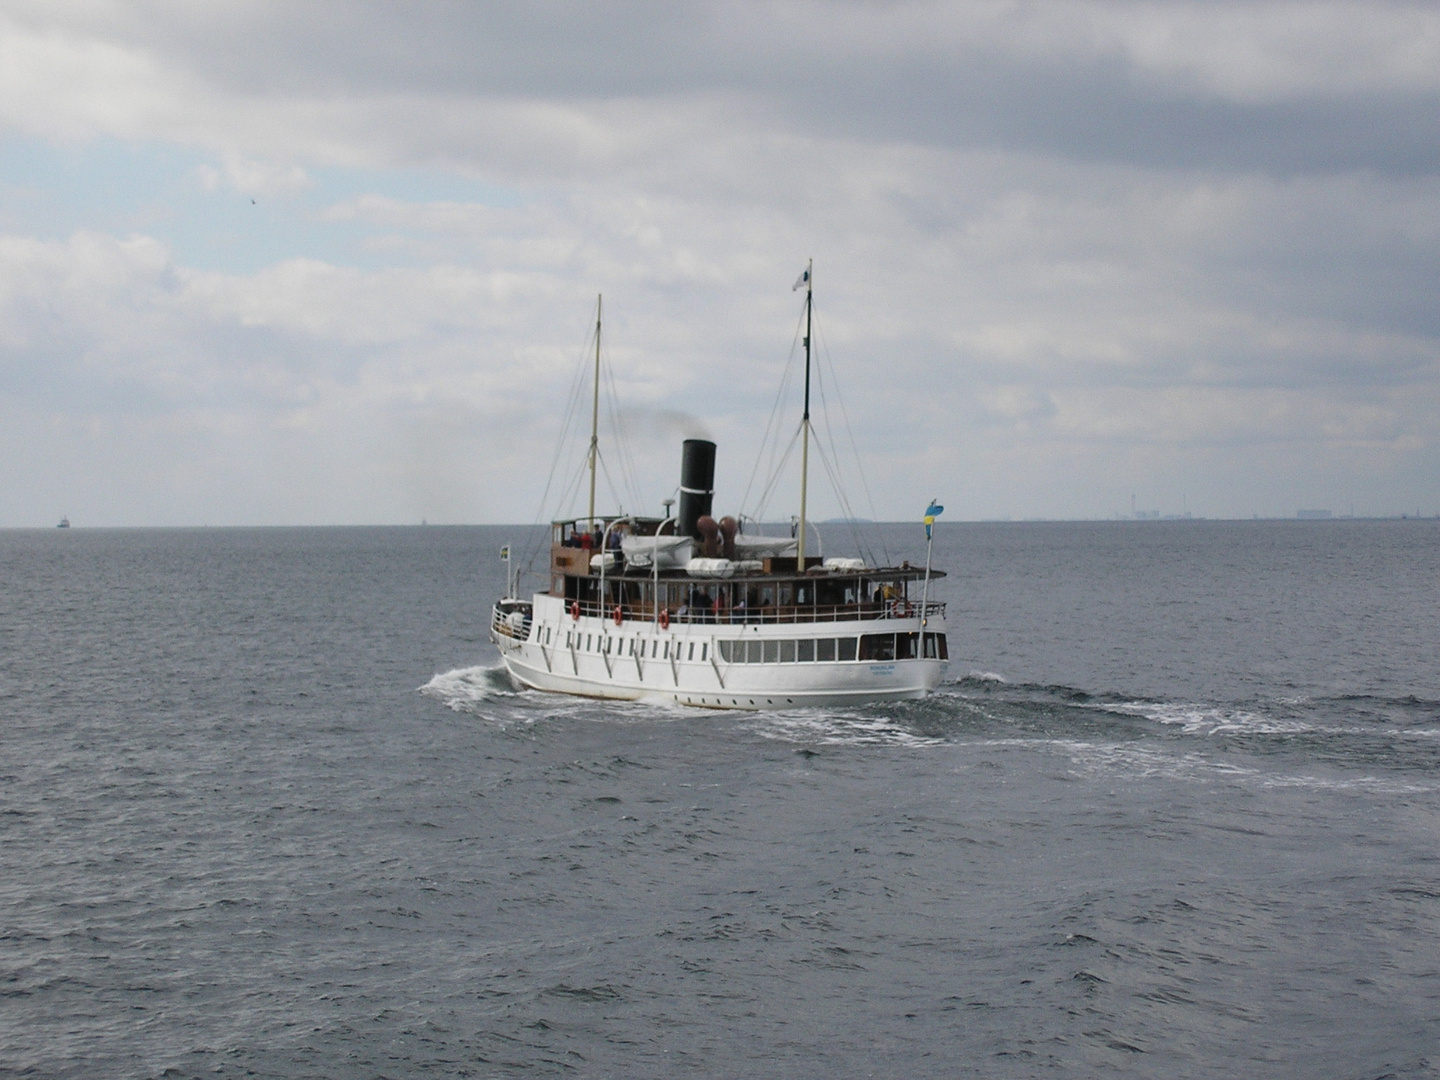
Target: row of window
<point x="766" y="651"/>
<point x="821" y="650"/>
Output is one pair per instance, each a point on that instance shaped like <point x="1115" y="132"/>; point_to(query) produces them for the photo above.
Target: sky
<point x="268" y="263"/>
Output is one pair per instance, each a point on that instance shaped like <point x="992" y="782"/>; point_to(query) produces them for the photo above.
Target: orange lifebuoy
<point x="575" y="610"/>
<point x="664" y="618"/>
<point x="903" y="609"/>
<point x="619" y="615"/>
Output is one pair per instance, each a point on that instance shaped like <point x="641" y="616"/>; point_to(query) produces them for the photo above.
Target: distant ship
<point x="688" y="609"/>
<point x="64" y="523"/>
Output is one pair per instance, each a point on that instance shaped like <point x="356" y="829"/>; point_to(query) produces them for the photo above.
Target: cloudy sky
<point x="329" y="263"/>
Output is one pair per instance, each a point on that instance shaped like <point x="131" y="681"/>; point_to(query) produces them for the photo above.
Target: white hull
<point x="685" y="662"/>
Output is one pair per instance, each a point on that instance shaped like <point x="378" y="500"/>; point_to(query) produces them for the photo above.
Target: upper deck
<point x="591" y="571"/>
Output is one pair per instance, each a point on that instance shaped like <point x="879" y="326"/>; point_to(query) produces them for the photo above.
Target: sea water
<point x="268" y="808"/>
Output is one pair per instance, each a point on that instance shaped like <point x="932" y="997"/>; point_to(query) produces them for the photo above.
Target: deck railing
<point x="500" y="624"/>
<point x="892" y="609"/>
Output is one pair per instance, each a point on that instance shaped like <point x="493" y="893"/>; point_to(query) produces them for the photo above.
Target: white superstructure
<point x="762" y="640"/>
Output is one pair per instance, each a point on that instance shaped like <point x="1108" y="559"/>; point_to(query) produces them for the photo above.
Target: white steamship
<point x="690" y="609"/>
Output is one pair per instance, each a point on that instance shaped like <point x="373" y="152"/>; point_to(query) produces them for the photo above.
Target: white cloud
<point x="1045" y="234"/>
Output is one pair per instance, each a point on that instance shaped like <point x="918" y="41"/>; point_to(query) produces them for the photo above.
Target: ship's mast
<point x="805" y="420"/>
<point x="595" y="414"/>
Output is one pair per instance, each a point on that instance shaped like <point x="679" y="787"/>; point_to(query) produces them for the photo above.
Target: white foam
<point x="465" y="689"/>
<point x="462" y="688"/>
<point x="1138" y="761"/>
<point x="837" y="729"/>
<point x="1196" y="719"/>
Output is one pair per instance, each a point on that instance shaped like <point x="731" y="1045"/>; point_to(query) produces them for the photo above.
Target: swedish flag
<point x="932" y="511"/>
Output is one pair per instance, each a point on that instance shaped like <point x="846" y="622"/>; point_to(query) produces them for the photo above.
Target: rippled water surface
<point x="267" y="808"/>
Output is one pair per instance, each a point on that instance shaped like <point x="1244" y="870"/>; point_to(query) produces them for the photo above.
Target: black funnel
<point x="697" y="484"/>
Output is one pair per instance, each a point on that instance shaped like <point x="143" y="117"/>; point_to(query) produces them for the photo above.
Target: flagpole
<point x="933" y="511"/>
<point x="925" y="593"/>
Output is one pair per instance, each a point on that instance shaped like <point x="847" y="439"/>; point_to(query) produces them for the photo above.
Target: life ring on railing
<point x="664" y="618"/>
<point x="619" y="615"/>
<point x="575" y="610"/>
<point x="903" y="609"/>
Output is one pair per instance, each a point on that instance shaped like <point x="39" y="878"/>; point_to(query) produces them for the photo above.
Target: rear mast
<point x="805" y="420"/>
<point x="595" y="414"/>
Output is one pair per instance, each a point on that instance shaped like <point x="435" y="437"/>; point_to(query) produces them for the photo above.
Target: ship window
<point x="703" y="646"/>
<point x="931" y="650"/>
<point x="756" y="651"/>
<point x="690" y="653"/>
<point x="654" y="648"/>
<point x="567" y="639"/>
<point x="772" y="652"/>
<point x="787" y="652"/>
<point x="907" y="646"/>
<point x="667" y="650"/>
<point x="825" y="649"/>
<point x="723" y="648"/>
<point x="587" y="642"/>
<point x="877" y="647"/>
<point x="805" y="650"/>
<point x="847" y="648"/>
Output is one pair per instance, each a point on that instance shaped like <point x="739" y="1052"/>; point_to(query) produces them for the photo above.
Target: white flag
<point x="803" y="279"/>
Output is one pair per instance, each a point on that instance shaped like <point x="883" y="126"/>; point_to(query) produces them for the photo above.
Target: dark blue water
<point x="267" y="809"/>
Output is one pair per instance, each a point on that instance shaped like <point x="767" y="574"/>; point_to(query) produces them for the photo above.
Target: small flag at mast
<point x="505" y="552"/>
<point x="932" y="511"/>
<point x="803" y="279"/>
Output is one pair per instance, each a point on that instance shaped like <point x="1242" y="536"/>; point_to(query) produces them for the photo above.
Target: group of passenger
<point x="593" y="539"/>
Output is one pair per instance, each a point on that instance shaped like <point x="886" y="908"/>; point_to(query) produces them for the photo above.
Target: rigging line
<point x="610" y="482"/>
<point x="854" y="447"/>
<point x="832" y="465"/>
<point x="629" y="476"/>
<point x="772" y="424"/>
<point x="832" y="471"/>
<point x="775" y="477"/>
<point x="572" y="400"/>
<point x="570" y="491"/>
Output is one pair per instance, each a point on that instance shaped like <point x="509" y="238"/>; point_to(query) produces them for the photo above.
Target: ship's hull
<point x="697" y="663"/>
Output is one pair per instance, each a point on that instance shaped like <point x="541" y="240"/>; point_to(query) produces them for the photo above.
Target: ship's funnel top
<point x="697" y="485"/>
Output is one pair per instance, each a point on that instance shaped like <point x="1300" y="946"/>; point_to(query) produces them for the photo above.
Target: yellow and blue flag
<point x="505" y="552"/>
<point x="932" y="511"/>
